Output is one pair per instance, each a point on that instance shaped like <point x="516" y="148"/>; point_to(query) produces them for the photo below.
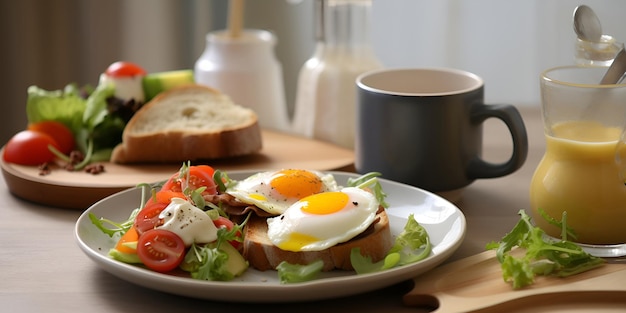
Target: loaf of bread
<point x="263" y="255"/>
<point x="188" y="123"/>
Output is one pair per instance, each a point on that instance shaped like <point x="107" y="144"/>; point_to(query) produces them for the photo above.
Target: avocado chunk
<point x="236" y="264"/>
<point x="155" y="83"/>
<point x="131" y="258"/>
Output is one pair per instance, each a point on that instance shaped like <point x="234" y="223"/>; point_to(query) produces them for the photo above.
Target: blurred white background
<point x="508" y="43"/>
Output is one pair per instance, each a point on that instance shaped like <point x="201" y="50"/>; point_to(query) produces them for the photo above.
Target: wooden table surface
<point x="43" y="270"/>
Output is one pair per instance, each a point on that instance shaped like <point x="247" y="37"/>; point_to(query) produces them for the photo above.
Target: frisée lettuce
<point x="412" y="245"/>
<point x="541" y="255"/>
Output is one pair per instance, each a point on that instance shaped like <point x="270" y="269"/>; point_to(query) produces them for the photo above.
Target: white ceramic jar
<point x="246" y="69"/>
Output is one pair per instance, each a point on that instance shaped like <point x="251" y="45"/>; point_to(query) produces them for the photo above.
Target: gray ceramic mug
<point x="424" y="127"/>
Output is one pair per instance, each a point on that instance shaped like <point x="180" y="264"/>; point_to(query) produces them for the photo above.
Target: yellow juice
<point x="581" y="173"/>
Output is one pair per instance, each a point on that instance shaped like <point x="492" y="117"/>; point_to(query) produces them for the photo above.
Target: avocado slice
<point x="155" y="83"/>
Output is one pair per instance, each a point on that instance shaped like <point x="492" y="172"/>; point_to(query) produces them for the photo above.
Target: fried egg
<point x="274" y="192"/>
<point x="323" y="220"/>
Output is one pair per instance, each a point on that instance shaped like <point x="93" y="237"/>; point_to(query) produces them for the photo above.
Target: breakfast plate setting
<point x="443" y="221"/>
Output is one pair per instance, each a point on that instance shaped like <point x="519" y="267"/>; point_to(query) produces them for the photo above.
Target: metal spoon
<point x="616" y="71"/>
<point x="587" y="27"/>
<point x="587" y="24"/>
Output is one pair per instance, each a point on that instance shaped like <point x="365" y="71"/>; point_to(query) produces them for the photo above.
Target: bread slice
<point x="188" y="123"/>
<point x="263" y="255"/>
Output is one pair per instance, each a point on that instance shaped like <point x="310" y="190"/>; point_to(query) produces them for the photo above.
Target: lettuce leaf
<point x="96" y="130"/>
<point x="542" y="255"/>
<point x="412" y="245"/>
<point x="65" y="106"/>
<point x="295" y="273"/>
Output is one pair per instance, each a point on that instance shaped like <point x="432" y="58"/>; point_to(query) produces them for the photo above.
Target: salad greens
<point x="217" y="261"/>
<point x="370" y="181"/>
<point x="295" y="273"/>
<point x="412" y="245"/>
<point x="97" y="130"/>
<point x="543" y="256"/>
<point x="119" y="228"/>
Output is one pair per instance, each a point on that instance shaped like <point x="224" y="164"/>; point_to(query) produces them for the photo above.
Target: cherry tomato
<point x="165" y="196"/>
<point x="224" y="222"/>
<point x="148" y="217"/>
<point x="199" y="176"/>
<point x="58" y="131"/>
<point x="160" y="250"/>
<point x="29" y="148"/>
<point x="124" y="69"/>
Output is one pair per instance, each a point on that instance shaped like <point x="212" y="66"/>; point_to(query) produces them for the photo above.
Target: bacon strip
<point x="234" y="207"/>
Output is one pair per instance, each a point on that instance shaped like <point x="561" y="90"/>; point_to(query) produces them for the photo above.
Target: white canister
<point x="246" y="69"/>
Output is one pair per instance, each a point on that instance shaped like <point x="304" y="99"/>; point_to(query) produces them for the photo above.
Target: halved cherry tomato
<point x="29" y="148"/>
<point x="199" y="176"/>
<point x="160" y="250"/>
<point x="148" y="217"/>
<point x="224" y="222"/>
<point x="58" y="131"/>
<point x="124" y="69"/>
<point x="165" y="196"/>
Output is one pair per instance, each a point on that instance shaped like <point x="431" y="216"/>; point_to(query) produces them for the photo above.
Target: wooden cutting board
<point x="475" y="284"/>
<point x="78" y="190"/>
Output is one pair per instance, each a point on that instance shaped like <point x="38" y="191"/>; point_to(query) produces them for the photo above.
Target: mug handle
<point x="479" y="168"/>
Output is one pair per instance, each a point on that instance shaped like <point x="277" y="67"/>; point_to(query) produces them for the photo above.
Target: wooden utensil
<point x="235" y="17"/>
<point x="475" y="284"/>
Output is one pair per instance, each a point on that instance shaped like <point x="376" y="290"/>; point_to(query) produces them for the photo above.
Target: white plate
<point x="443" y="221"/>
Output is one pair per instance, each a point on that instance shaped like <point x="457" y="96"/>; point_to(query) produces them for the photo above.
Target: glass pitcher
<point x="326" y="96"/>
<point x="583" y="169"/>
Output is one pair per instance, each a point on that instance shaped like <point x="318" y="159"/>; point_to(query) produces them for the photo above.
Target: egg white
<point x="297" y="230"/>
<point x="257" y="190"/>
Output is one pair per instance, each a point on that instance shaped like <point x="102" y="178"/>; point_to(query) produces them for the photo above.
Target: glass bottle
<point x="326" y="95"/>
<point x="597" y="53"/>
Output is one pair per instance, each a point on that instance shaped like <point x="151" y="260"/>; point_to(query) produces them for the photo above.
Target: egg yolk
<point x="325" y="203"/>
<point x="296" y="241"/>
<point x="258" y="196"/>
<point x="296" y="184"/>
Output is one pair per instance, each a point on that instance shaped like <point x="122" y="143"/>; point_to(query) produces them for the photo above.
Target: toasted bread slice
<point x="263" y="255"/>
<point x="188" y="123"/>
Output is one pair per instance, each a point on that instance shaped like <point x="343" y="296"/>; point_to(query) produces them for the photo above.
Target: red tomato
<point x="165" y="196"/>
<point x="199" y="176"/>
<point x="58" y="131"/>
<point x="148" y="217"/>
<point x="29" y="148"/>
<point x="124" y="69"/>
<point x="224" y="222"/>
<point x="160" y="250"/>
